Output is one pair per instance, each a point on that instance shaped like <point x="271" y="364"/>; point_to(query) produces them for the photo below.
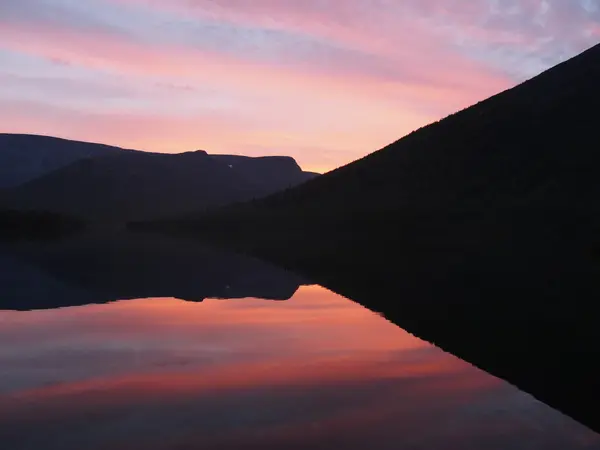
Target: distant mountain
<point x="480" y="232"/>
<point x="135" y="185"/>
<point x="283" y="171"/>
<point x="524" y="159"/>
<point x="531" y="146"/>
<point x="24" y="157"/>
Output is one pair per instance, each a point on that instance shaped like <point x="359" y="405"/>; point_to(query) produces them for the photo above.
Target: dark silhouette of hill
<point x="35" y="225"/>
<point x="103" y="268"/>
<point x="140" y="185"/>
<point x="479" y="233"/>
<point x="24" y="157"/>
<point x="270" y="172"/>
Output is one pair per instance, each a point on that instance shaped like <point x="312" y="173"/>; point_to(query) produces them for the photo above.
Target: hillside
<point x="24" y="157"/>
<point x="531" y="145"/>
<point x="36" y="225"/>
<point x="140" y="185"/>
<point x="268" y="172"/>
<point x="480" y="233"/>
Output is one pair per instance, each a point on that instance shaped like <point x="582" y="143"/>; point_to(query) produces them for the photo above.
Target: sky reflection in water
<point x="316" y="371"/>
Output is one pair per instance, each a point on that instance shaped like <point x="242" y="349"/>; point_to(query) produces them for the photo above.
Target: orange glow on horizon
<point x="321" y="114"/>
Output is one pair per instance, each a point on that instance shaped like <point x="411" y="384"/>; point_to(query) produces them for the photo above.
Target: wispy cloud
<point x="325" y="81"/>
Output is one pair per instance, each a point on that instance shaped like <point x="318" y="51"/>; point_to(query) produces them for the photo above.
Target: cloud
<point x="341" y="77"/>
<point x="557" y="28"/>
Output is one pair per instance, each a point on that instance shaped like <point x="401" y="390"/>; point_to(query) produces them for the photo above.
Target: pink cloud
<point x="380" y="76"/>
<point x="296" y="107"/>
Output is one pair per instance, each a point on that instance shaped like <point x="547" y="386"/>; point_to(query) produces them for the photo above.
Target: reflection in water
<point x="100" y="269"/>
<point x="316" y="371"/>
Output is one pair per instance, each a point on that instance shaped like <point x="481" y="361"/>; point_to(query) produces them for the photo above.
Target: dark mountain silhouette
<point x="270" y="172"/>
<point x="24" y="157"/>
<point x="19" y="225"/>
<point x="103" y="268"/>
<point x="480" y="233"/>
<point x="140" y="185"/>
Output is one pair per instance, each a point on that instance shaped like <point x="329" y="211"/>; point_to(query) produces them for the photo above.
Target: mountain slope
<point x="512" y="149"/>
<point x="134" y="185"/>
<point x="36" y="225"/>
<point x="480" y="233"/>
<point x="528" y="151"/>
<point x="24" y="157"/>
<point x="273" y="173"/>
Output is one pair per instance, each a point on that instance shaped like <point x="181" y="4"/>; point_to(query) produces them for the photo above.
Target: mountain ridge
<point x="24" y="157"/>
<point x="116" y="185"/>
<point x="479" y="233"/>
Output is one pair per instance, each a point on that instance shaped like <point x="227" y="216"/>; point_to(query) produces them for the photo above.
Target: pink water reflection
<point x="317" y="371"/>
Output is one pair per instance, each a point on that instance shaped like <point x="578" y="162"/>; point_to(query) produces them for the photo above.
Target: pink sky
<point x="323" y="81"/>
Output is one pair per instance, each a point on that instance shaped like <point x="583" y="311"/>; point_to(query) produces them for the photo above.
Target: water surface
<point x="316" y="371"/>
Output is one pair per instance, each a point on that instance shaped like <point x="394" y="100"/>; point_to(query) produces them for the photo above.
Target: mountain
<point x="137" y="185"/>
<point x="24" y="157"/>
<point x="529" y="146"/>
<point x="269" y="172"/>
<point x="102" y="268"/>
<point x="36" y="225"/>
<point x="480" y="233"/>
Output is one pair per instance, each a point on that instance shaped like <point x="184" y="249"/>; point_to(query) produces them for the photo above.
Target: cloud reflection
<point x="317" y="371"/>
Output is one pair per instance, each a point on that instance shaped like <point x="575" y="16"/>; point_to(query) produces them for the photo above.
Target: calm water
<point x="316" y="371"/>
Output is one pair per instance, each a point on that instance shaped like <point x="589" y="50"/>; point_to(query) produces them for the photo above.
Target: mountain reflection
<point x="317" y="371"/>
<point x="100" y="269"/>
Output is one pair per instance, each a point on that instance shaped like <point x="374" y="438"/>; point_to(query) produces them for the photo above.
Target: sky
<point x="324" y="81"/>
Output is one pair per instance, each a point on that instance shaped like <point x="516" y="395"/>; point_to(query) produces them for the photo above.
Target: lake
<point x="97" y="368"/>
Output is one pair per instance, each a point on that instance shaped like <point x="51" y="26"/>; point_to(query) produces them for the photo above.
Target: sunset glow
<point x="228" y="374"/>
<point x="323" y="81"/>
